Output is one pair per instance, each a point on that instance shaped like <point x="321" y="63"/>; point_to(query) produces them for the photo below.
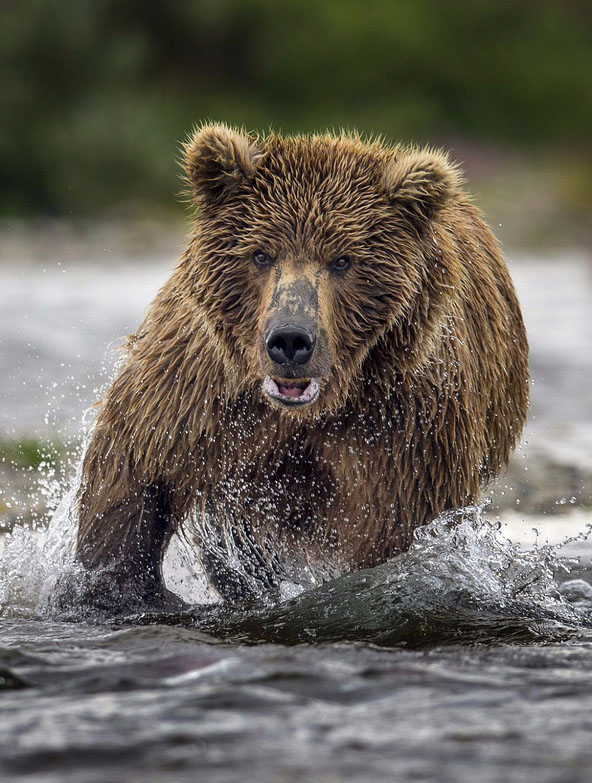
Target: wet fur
<point x="426" y="394"/>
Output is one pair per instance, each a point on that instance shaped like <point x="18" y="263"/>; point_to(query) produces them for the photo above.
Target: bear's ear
<point x="420" y="182"/>
<point x="216" y="159"/>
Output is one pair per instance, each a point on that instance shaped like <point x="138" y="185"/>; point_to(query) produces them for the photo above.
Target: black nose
<point x="290" y="344"/>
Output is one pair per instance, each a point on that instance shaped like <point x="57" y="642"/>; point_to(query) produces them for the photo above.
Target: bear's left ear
<point x="216" y="159"/>
<point x="420" y="182"/>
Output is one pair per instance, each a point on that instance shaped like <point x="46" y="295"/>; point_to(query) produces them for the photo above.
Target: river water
<point x="467" y="658"/>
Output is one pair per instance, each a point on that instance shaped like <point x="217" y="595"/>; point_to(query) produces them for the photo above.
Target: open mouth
<point x="291" y="391"/>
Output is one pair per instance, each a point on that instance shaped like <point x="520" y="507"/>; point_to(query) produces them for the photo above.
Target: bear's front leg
<point x="122" y="549"/>
<point x="236" y="566"/>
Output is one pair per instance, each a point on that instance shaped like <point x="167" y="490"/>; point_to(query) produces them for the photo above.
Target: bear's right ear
<point x="216" y="159"/>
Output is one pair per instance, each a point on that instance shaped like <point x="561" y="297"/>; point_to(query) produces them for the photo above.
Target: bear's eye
<point x="261" y="259"/>
<point x="340" y="264"/>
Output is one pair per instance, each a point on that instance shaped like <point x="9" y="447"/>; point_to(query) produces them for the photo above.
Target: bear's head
<point x="311" y="253"/>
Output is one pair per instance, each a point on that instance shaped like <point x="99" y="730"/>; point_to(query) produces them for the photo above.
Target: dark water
<point x="165" y="703"/>
<point x="464" y="659"/>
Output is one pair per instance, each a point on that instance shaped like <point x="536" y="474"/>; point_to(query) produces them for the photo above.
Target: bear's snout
<point x="290" y="344"/>
<point x="294" y="350"/>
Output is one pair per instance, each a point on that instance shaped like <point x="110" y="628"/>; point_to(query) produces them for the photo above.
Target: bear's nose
<point x="290" y="344"/>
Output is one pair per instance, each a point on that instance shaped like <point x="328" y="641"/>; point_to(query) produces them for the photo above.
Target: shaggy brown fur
<point x="420" y="355"/>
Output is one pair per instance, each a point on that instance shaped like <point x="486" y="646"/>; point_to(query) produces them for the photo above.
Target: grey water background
<point x="468" y="658"/>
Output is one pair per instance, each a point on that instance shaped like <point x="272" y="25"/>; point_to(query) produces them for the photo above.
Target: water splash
<point x="34" y="556"/>
<point x="460" y="582"/>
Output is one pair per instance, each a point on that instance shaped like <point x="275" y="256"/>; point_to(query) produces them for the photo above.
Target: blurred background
<point x="97" y="97"/>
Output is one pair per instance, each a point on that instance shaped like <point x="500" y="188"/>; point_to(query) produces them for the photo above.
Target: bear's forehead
<point x="320" y="164"/>
<point x="318" y="185"/>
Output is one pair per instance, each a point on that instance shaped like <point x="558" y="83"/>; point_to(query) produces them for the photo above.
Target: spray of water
<point x="460" y="582"/>
<point x="33" y="557"/>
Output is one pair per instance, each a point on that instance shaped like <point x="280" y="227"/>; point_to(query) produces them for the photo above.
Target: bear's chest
<point x="303" y="478"/>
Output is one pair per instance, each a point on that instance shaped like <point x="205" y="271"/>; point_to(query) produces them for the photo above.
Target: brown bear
<point x="338" y="357"/>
